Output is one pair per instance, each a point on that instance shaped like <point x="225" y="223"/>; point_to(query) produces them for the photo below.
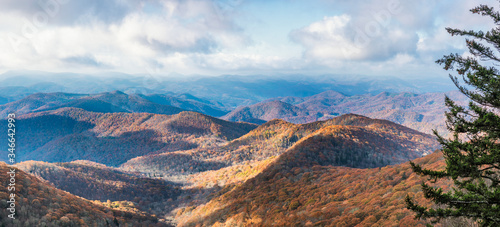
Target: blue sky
<point x="214" y="37"/>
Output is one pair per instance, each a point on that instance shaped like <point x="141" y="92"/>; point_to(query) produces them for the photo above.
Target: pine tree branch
<point x="488" y="168"/>
<point x="480" y="50"/>
<point x="485" y="10"/>
<point x="469" y="202"/>
<point x="495" y="181"/>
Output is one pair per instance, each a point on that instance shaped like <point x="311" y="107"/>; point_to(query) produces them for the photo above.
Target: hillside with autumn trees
<point x="325" y="178"/>
<point x="95" y="181"/>
<point x="319" y="195"/>
<point x="173" y="182"/>
<point x="69" y="134"/>
<point x="349" y="140"/>
<point x="40" y="204"/>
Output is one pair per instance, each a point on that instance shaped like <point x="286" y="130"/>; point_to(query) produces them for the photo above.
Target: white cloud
<point x="377" y="35"/>
<point x="205" y="36"/>
<point x="131" y="43"/>
<point x="341" y="38"/>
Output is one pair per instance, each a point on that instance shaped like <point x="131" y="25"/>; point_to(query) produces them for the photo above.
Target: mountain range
<point x="422" y="112"/>
<point x="228" y="151"/>
<point x="171" y="166"/>
<point x="383" y="143"/>
<point x="231" y="90"/>
<point x="110" y="102"/>
<point x="310" y="173"/>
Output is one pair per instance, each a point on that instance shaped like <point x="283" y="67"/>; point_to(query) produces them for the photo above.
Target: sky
<point x="244" y="37"/>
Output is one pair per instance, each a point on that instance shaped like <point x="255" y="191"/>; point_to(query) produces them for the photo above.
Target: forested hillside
<point x="40" y="204"/>
<point x="318" y="195"/>
<point x="69" y="134"/>
<point x="180" y="183"/>
<point x="346" y="141"/>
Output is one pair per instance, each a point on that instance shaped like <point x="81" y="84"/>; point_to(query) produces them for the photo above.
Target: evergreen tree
<point x="472" y="155"/>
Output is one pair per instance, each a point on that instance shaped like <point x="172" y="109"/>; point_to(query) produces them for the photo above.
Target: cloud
<point x="125" y="35"/>
<point x="380" y="36"/>
<point x="84" y="60"/>
<point x="68" y="12"/>
<point x="339" y="37"/>
<point x="367" y="30"/>
<point x="219" y="36"/>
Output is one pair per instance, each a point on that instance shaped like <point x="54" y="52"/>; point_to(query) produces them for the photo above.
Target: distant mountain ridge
<point x="231" y="90"/>
<point x="109" y="102"/>
<point x="423" y="112"/>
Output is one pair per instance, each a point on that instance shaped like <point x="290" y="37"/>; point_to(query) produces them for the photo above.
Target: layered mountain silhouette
<point x="423" y="112"/>
<point x="110" y="102"/>
<point x="151" y="157"/>
<point x="232" y="90"/>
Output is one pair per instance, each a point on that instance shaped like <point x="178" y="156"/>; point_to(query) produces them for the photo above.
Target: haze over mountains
<point x="109" y="102"/>
<point x="230" y="90"/>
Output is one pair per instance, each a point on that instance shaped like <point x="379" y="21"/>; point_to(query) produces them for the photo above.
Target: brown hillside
<point x="318" y="196"/>
<point x="360" y="142"/>
<point x="39" y="204"/>
<point x="69" y="134"/>
<point x="95" y="181"/>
